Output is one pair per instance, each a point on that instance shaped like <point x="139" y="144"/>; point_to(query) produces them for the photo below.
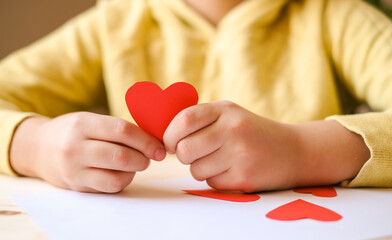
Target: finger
<point x="233" y="181"/>
<point x="210" y="166"/>
<point x="200" y="144"/>
<point x="117" y="130"/>
<point x="223" y="182"/>
<point x="107" y="181"/>
<point x="84" y="189"/>
<point x="75" y="185"/>
<point x="112" y="156"/>
<point x="188" y="121"/>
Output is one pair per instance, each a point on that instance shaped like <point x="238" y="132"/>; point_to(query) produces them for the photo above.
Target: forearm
<point x="330" y="153"/>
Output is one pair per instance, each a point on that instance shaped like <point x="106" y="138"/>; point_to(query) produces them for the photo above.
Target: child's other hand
<point x="234" y="149"/>
<point x="83" y="151"/>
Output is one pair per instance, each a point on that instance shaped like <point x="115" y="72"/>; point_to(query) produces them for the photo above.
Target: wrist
<point x="24" y="147"/>
<point x="329" y="153"/>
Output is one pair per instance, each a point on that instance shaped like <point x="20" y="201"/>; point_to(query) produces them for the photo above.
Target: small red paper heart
<point x="227" y="196"/>
<point x="318" y="191"/>
<point x="153" y="109"/>
<point x="300" y="209"/>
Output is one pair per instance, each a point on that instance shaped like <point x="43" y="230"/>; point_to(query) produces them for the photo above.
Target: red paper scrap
<point x="300" y="209"/>
<point x="227" y="196"/>
<point x="318" y="191"/>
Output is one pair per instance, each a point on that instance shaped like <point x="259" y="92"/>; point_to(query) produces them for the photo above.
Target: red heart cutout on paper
<point x="300" y="209"/>
<point x="318" y="191"/>
<point x="227" y="196"/>
<point x="153" y="108"/>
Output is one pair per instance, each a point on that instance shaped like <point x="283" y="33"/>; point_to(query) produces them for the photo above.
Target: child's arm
<point x="58" y="74"/>
<point x="62" y="73"/>
<point x="83" y="151"/>
<point x="234" y="149"/>
<point x="274" y="155"/>
<point x="359" y="40"/>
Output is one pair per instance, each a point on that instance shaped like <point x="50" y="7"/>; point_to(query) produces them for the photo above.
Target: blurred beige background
<point x="23" y="21"/>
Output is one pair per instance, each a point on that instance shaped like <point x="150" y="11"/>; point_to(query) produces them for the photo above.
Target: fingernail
<point x="160" y="154"/>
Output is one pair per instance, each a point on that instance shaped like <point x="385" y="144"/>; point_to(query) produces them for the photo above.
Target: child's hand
<point x="83" y="151"/>
<point x="232" y="148"/>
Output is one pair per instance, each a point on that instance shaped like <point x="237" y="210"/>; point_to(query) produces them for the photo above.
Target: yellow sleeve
<point x="360" y="40"/>
<point x="58" y="74"/>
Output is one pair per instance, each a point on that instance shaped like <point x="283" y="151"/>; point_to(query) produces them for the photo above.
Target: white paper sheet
<point x="160" y="210"/>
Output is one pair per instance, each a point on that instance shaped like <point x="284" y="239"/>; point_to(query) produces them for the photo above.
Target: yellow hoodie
<point x="291" y="61"/>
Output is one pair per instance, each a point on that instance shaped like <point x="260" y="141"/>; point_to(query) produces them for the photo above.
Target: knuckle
<point x="197" y="172"/>
<point x="240" y="127"/>
<point x="238" y="123"/>
<point x="122" y="128"/>
<point x="150" y="147"/>
<point x="115" y="184"/>
<point x="228" y="104"/>
<point x="186" y="118"/>
<point x="66" y="149"/>
<point x="120" y="158"/>
<point x="141" y="163"/>
<point x="144" y="165"/>
<point x="76" y="121"/>
<point x="216" y="184"/>
<point x="244" y="183"/>
<point x="184" y="151"/>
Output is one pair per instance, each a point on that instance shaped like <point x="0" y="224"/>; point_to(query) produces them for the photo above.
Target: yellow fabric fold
<point x="377" y="170"/>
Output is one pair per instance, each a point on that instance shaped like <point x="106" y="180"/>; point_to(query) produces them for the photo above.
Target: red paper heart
<point x="300" y="209"/>
<point x="227" y="196"/>
<point x="318" y="191"/>
<point x="153" y="109"/>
